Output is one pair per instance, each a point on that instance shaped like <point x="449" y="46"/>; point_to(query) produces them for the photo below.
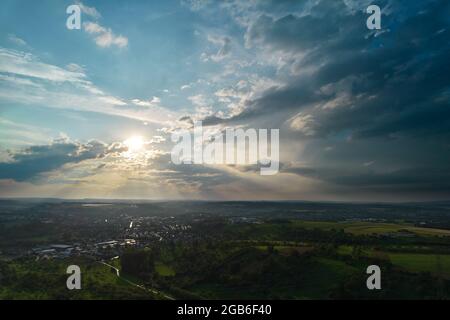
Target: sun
<point x="135" y="144"/>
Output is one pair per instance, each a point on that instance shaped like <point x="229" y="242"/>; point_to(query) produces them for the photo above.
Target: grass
<point x="164" y="270"/>
<point x="418" y="262"/>
<point x="47" y="280"/>
<point x="317" y="281"/>
<point x="287" y="250"/>
<point x="366" y="228"/>
<point x="345" y="250"/>
<point x="436" y="264"/>
<point x="322" y="278"/>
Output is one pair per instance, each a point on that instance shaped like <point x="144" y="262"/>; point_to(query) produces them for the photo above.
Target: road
<point x="153" y="291"/>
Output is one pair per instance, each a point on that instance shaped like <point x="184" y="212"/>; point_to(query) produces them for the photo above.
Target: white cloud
<point x="368" y="163"/>
<point x="18" y="80"/>
<point x="16" y="40"/>
<point x="24" y="79"/>
<point x="15" y="134"/>
<point x="224" y="50"/>
<point x="195" y="5"/>
<point x="105" y="37"/>
<point x="25" y="64"/>
<point x="141" y="103"/>
<point x="90" y="11"/>
<point x="155" y="100"/>
<point x="75" y="68"/>
<point x="112" y="100"/>
<point x="199" y="100"/>
<point x="304" y="123"/>
<point x="92" y="27"/>
<point x="147" y="103"/>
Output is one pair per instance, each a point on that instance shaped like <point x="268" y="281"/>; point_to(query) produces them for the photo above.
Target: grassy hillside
<point x="46" y="279"/>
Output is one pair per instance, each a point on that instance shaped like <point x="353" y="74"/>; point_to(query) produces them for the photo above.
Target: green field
<point x="164" y="270"/>
<point x="436" y="264"/>
<point x="414" y="262"/>
<point x="321" y="277"/>
<point x="366" y="228"/>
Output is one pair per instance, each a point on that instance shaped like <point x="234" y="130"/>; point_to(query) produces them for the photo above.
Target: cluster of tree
<point x="252" y="269"/>
<point x="395" y="284"/>
<point x="139" y="263"/>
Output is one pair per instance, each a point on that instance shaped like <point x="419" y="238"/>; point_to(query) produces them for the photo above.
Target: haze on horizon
<point x="364" y="115"/>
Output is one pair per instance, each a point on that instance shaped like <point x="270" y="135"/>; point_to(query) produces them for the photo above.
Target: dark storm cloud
<point x="418" y="178"/>
<point x="380" y="97"/>
<point x="396" y="82"/>
<point x="293" y="33"/>
<point x="34" y="160"/>
<point x="188" y="120"/>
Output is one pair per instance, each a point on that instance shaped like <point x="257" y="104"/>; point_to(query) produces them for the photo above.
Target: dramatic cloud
<point x="351" y="88"/>
<point x="363" y="114"/>
<point x="34" y="160"/>
<point x="366" y="85"/>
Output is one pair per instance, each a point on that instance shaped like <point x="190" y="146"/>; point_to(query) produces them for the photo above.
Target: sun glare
<point x="134" y="143"/>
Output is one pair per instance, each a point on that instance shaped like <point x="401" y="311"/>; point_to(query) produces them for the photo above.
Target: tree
<point x="140" y="263"/>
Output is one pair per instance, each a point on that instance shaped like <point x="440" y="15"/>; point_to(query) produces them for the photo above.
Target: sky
<point x="363" y="115"/>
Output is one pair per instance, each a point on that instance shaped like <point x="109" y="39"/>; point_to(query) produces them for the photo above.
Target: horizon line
<point x="217" y="200"/>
